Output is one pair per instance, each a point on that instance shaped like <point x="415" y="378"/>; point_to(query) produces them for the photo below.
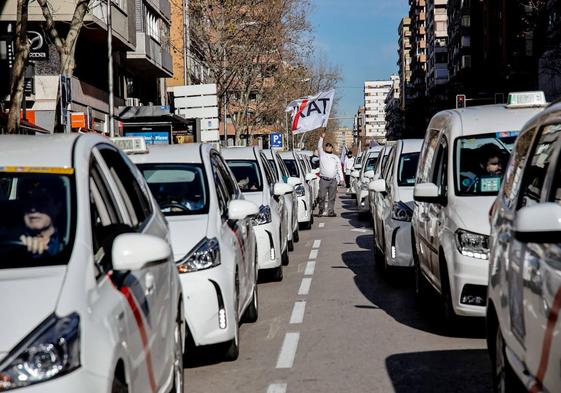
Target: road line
<point x="321" y="225"/>
<point x="305" y="286"/>
<point x="277" y="388"/>
<point x="317" y="243"/>
<point x="298" y="312"/>
<point x="310" y="268"/>
<point x="288" y="350"/>
<point x="313" y="254"/>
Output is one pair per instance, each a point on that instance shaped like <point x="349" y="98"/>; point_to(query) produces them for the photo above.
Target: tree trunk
<point x="18" y="75"/>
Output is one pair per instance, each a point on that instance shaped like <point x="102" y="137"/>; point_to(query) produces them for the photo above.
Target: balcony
<point x="150" y="57"/>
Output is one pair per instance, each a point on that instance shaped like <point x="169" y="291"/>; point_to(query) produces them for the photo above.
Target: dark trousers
<point x="327" y="189"/>
<point x="348" y="181"/>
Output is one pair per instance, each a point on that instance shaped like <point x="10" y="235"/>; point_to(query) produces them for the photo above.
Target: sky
<point x="359" y="36"/>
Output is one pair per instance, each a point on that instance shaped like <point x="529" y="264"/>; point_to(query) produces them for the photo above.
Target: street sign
<point x="275" y="140"/>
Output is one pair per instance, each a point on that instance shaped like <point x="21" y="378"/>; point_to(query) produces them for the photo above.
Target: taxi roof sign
<point x="526" y="99"/>
<point x="131" y="144"/>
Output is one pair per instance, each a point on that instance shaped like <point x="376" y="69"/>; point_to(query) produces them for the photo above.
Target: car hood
<point x="472" y="213"/>
<point x="186" y="232"/>
<point x="255" y="197"/>
<point x="33" y="294"/>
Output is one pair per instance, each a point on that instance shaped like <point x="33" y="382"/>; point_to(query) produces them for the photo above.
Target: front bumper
<point x="472" y="273"/>
<point x="268" y="246"/>
<point x="398" y="241"/>
<point x="80" y="380"/>
<point x="206" y="293"/>
<point x="304" y="209"/>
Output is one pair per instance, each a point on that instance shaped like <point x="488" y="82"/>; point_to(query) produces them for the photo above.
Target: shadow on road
<point x="460" y="371"/>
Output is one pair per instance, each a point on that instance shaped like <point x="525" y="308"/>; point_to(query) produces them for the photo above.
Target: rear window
<point x="180" y="189"/>
<point x="247" y="174"/>
<point x="407" y="169"/>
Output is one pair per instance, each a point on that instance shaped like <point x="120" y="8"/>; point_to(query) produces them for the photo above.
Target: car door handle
<point x="149" y="283"/>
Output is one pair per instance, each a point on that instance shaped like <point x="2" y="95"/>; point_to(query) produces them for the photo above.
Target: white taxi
<point x="302" y="188"/>
<point x="91" y="296"/>
<point x="291" y="200"/>
<point x="363" y="180"/>
<point x="258" y="183"/>
<point x="211" y="236"/>
<point x="524" y="294"/>
<point x="392" y="223"/>
<point x="306" y="161"/>
<point x="459" y="175"/>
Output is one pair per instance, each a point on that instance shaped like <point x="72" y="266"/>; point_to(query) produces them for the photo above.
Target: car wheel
<point x="178" y="372"/>
<point x="450" y="316"/>
<point x="252" y="312"/>
<point x="284" y="257"/>
<point x="278" y="273"/>
<point x="233" y="346"/>
<point x="119" y="386"/>
<point x="296" y="236"/>
<point x="504" y="377"/>
<point x="311" y="218"/>
<point x="290" y="245"/>
<point x="421" y="288"/>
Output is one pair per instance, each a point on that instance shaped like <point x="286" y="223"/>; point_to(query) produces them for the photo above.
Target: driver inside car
<point x="489" y="171"/>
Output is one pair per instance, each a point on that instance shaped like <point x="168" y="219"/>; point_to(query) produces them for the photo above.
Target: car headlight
<point x="300" y="190"/>
<point x="473" y="245"/>
<point x="402" y="212"/>
<point x="264" y="216"/>
<point x="203" y="256"/>
<point x="50" y="351"/>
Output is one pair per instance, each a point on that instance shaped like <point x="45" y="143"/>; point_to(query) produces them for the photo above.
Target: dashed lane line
<point x="277" y="388"/>
<point x="305" y="286"/>
<point x="288" y="350"/>
<point x="317" y="243"/>
<point x="313" y="254"/>
<point x="298" y="311"/>
<point x="321" y="225"/>
<point x="310" y="268"/>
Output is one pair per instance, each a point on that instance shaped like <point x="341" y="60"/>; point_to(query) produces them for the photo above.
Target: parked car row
<point x="475" y="210"/>
<point x="117" y="261"/>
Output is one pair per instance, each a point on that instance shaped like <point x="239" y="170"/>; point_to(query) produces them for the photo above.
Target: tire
<point x="252" y="312"/>
<point x="421" y="286"/>
<point x="119" y="386"/>
<point x="278" y="273"/>
<point x="296" y="236"/>
<point x="233" y="346"/>
<point x="504" y="377"/>
<point x="284" y="257"/>
<point x="450" y="316"/>
<point x="178" y="372"/>
<point x="290" y="245"/>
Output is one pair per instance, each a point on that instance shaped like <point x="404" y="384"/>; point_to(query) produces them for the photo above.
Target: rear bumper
<point x="268" y="246"/>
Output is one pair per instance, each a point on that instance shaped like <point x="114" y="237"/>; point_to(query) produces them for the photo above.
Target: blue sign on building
<point x="151" y="137"/>
<point x="275" y="140"/>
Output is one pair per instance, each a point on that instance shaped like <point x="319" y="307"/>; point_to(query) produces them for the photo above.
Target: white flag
<point x="311" y="113"/>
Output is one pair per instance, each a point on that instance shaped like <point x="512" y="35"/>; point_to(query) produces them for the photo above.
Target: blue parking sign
<point x="275" y="140"/>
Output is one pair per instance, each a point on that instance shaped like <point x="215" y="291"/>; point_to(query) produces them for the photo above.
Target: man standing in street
<point x="349" y="167"/>
<point x="331" y="174"/>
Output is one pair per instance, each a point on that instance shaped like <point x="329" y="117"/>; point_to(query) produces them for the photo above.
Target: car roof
<point x="239" y="153"/>
<point x="484" y="119"/>
<point x="40" y="150"/>
<point x="411" y="145"/>
<point x="183" y="153"/>
<point x="287" y="154"/>
<point x="306" y="152"/>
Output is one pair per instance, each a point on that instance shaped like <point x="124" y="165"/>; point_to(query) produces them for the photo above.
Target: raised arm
<point x="320" y="144"/>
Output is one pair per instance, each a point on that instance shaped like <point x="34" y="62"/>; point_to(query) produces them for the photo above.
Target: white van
<point x="460" y="171"/>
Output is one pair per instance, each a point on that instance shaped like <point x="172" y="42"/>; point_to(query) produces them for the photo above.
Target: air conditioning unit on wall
<point x="131" y="101"/>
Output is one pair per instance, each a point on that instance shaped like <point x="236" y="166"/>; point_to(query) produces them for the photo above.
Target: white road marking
<point x="274" y="327"/>
<point x="310" y="268"/>
<point x="277" y="388"/>
<point x="359" y="230"/>
<point x="298" y="312"/>
<point x="288" y="350"/>
<point x="317" y="243"/>
<point x="305" y="286"/>
<point x="313" y="254"/>
<point x="321" y="225"/>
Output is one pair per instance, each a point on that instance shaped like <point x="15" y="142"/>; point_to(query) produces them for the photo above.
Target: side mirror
<point x="239" y="209"/>
<point x="369" y="174"/>
<point x="540" y="223"/>
<point x="355" y="173"/>
<point x="310" y="177"/>
<point x="133" y="251"/>
<point x="428" y="192"/>
<point x="282" y="189"/>
<point x="377" y="186"/>
<point x="294" y="181"/>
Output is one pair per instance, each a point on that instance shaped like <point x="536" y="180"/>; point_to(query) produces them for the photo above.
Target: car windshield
<point x="480" y="161"/>
<point x="407" y="169"/>
<point x="180" y="189"/>
<point x="292" y="167"/>
<point x="37" y="225"/>
<point x="247" y="175"/>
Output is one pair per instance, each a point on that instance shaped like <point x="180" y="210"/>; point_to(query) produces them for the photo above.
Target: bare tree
<point x="21" y="56"/>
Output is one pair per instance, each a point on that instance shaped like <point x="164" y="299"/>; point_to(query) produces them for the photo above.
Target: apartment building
<point x="141" y="58"/>
<point x="394" y="113"/>
<point x="404" y="60"/>
<point x="417" y="14"/>
<point x="375" y="93"/>
<point x="437" y="43"/>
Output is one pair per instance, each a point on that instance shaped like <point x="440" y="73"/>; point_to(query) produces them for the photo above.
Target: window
<point x="271" y="176"/>
<point x="536" y="171"/>
<point x="407" y="169"/>
<point x="513" y="175"/>
<point x="247" y="174"/>
<point x="221" y="191"/>
<point x="292" y="166"/>
<point x="427" y="156"/>
<point x="130" y="183"/>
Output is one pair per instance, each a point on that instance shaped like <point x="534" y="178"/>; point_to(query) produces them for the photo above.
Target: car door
<point x="151" y="286"/>
<point x="382" y="200"/>
<point x="277" y="203"/>
<point x="536" y="268"/>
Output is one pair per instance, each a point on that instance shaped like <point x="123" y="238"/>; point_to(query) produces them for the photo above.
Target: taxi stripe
<point x="547" y="341"/>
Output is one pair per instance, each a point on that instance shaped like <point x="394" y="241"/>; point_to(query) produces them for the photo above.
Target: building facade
<point x="437" y="44"/>
<point x="394" y="114"/>
<point x="404" y="60"/>
<point x="375" y="93"/>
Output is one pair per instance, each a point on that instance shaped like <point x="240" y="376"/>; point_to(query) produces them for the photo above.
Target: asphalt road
<point x="336" y="324"/>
